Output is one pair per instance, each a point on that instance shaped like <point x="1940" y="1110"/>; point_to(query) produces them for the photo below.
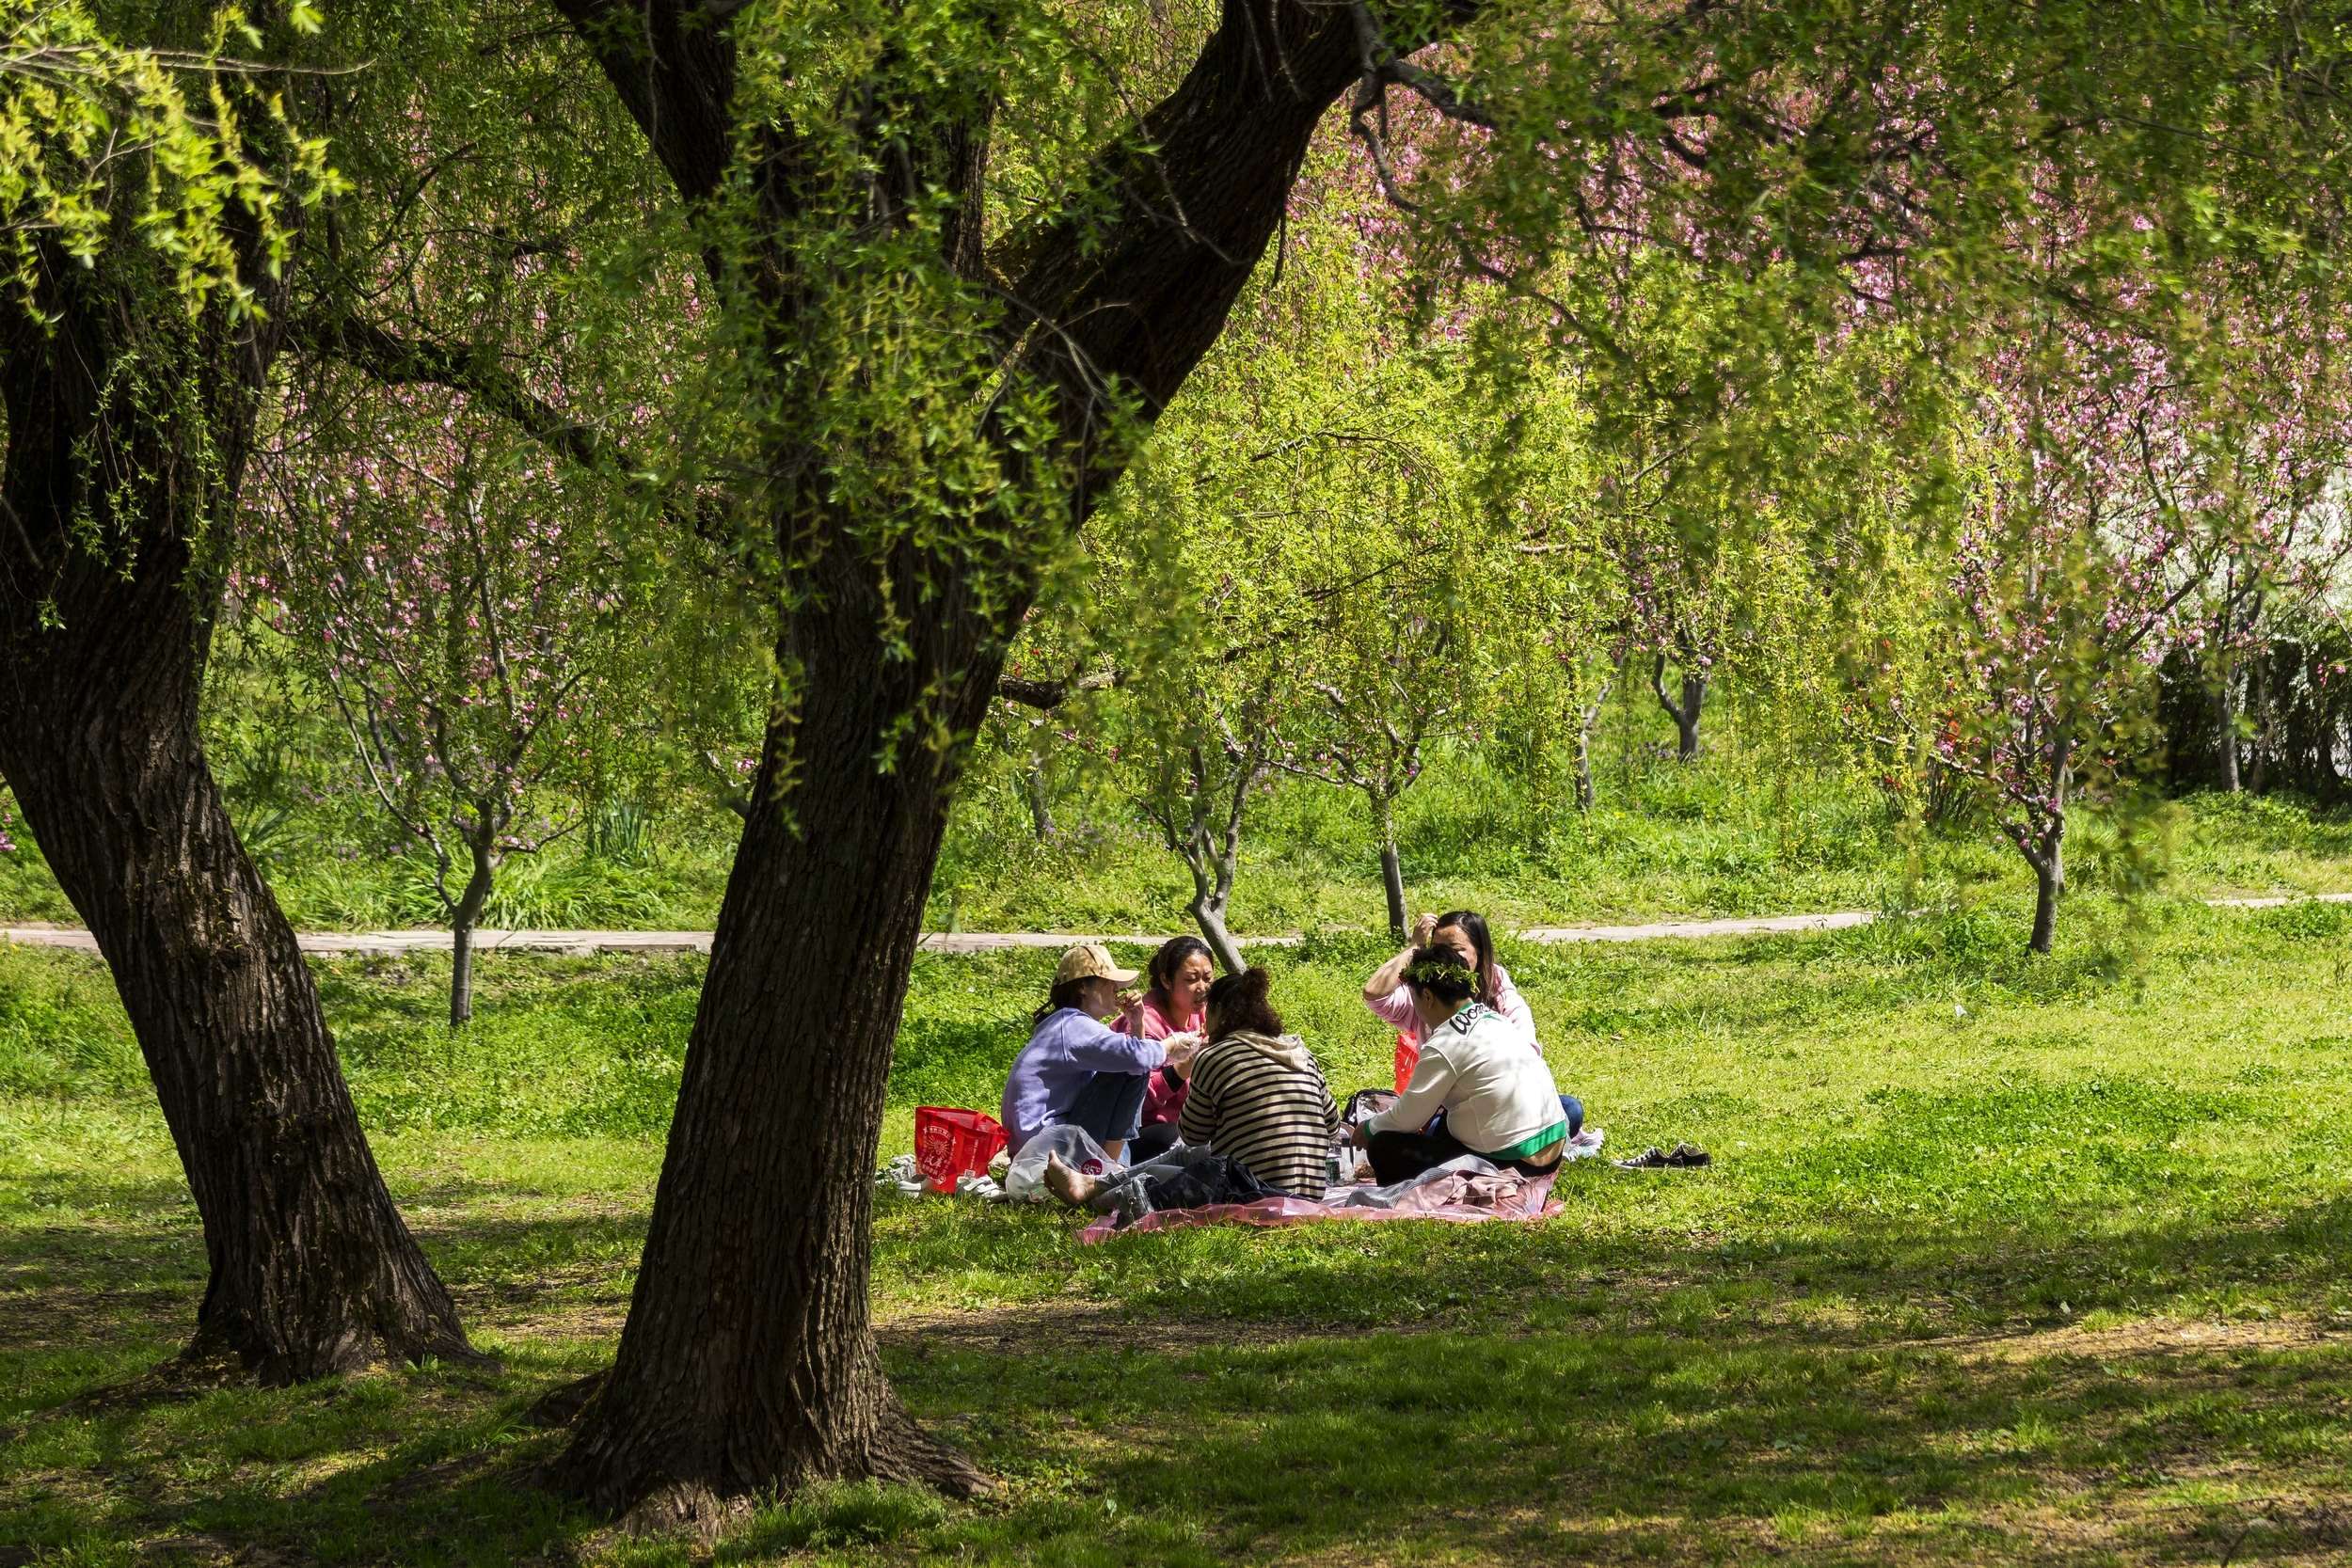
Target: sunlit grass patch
<point x="2064" y="1278"/>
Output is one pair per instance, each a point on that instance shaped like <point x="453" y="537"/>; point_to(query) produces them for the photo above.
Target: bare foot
<point x="1073" y="1187"/>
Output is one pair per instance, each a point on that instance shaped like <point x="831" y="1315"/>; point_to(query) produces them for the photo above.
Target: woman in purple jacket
<point x="1076" y="1070"/>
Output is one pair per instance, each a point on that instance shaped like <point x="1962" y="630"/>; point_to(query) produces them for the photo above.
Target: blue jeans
<point x="1570" y="1107"/>
<point x="1109" y="1108"/>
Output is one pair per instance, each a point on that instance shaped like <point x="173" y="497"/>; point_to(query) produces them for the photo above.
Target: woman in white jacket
<point x="1500" y="1100"/>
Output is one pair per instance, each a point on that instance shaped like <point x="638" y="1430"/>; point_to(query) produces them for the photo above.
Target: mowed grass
<point x="1999" y="1262"/>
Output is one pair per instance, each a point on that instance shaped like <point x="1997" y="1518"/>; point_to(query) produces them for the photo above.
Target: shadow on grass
<point x="1552" y="1398"/>
<point x="1609" y="1445"/>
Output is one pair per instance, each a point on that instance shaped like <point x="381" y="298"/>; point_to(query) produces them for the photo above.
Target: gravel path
<point x="587" y="944"/>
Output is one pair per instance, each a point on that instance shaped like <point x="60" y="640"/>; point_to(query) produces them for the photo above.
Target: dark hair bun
<point x="1239" y="1002"/>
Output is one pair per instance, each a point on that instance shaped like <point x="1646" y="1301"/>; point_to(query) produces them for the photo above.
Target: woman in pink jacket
<point x="1180" y="973"/>
<point x="1465" y="932"/>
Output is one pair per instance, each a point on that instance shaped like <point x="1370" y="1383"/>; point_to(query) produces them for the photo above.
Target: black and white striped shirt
<point x="1264" y="1101"/>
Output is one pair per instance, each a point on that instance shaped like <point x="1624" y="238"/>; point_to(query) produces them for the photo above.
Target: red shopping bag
<point x="949" y="1143"/>
<point x="1408" y="1058"/>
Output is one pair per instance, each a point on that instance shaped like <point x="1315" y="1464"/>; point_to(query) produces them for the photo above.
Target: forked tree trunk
<point x="312" y="1271"/>
<point x="748" y="1364"/>
<point x="1213" y="858"/>
<point x="1391" y="868"/>
<point x="2049" y="879"/>
<point x="1208" y="914"/>
<point x="1686" y="713"/>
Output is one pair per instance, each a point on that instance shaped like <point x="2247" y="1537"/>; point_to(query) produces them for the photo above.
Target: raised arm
<point x="1384" y="981"/>
<point x="1381" y="987"/>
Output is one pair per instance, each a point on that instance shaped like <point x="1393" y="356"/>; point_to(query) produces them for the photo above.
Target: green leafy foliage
<point x="77" y="98"/>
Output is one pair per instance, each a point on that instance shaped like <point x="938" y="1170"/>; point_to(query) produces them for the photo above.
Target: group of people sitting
<point x="1196" y="1085"/>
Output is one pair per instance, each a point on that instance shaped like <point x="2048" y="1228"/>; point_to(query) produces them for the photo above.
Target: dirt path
<point x="588" y="944"/>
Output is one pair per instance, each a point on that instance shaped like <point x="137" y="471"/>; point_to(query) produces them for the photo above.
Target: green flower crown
<point x="1430" y="973"/>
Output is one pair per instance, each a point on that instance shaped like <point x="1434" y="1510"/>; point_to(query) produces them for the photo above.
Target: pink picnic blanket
<point x="1464" y="1197"/>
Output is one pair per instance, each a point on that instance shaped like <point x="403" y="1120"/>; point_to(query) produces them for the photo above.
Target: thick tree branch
<point x="1045" y="696"/>
<point x="1136" y="296"/>
<point x="673" y="65"/>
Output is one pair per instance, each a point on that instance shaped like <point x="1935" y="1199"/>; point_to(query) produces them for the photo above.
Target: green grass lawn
<point x="2000" y="1262"/>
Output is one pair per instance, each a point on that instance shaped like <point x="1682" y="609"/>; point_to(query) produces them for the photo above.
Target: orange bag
<point x="949" y="1143"/>
<point x="1408" y="1058"/>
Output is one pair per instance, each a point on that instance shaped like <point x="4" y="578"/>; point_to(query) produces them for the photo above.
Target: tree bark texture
<point x="747" y="1363"/>
<point x="106" y="620"/>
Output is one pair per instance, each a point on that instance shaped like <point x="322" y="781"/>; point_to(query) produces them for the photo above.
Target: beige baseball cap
<point x="1090" y="961"/>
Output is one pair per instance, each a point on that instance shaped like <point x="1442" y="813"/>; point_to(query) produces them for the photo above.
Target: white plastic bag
<point x="1025" y="1177"/>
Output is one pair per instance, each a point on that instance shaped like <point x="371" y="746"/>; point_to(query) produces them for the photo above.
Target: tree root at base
<point x="900" y="1453"/>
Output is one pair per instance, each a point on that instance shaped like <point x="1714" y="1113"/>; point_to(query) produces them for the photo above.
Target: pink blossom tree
<point x="474" y="626"/>
<point x="2099" y="512"/>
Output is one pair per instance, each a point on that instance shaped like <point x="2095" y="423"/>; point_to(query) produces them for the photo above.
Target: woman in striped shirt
<point x="1259" y="1118"/>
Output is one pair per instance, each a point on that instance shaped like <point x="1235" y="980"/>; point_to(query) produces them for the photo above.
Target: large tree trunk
<point x="748" y="1365"/>
<point x="312" y="1271"/>
<point x="129" y="423"/>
